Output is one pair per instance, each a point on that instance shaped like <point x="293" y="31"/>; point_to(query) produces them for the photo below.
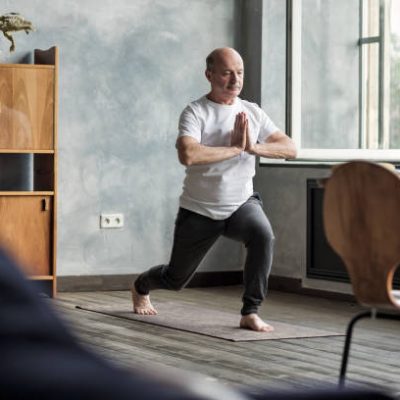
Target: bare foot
<point x="255" y="323"/>
<point x="142" y="304"/>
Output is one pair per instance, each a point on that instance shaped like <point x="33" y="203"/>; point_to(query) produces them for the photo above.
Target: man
<point x="219" y="137"/>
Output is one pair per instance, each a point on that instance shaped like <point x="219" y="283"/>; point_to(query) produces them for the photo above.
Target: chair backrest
<point x="362" y="224"/>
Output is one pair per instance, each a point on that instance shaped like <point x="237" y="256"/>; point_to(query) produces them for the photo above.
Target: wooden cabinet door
<point x="25" y="231"/>
<point x="26" y="107"/>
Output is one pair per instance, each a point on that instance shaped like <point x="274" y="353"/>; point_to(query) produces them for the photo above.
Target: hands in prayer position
<point x="241" y="134"/>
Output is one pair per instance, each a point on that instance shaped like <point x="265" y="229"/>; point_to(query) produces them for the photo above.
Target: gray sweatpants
<point x="195" y="234"/>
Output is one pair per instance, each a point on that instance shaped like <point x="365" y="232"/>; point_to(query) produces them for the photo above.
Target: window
<point x="345" y="79"/>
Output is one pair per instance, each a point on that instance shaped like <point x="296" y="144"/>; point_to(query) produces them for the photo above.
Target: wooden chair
<point x="361" y="215"/>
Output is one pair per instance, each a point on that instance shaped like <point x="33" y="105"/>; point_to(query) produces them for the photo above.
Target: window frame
<point x="293" y="98"/>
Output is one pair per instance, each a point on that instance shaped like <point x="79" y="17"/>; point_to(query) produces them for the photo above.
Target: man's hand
<point x="277" y="145"/>
<point x="239" y="133"/>
<point x="250" y="147"/>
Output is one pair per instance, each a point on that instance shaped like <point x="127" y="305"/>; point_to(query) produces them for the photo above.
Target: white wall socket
<point x="109" y="221"/>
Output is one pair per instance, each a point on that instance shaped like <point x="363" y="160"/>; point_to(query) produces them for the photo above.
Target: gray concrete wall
<point x="127" y="69"/>
<point x="284" y="192"/>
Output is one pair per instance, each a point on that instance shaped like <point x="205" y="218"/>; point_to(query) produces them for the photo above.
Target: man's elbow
<point x="292" y="153"/>
<point x="185" y="158"/>
<point x="291" y="150"/>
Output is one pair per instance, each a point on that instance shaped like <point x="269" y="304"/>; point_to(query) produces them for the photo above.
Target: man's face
<point x="226" y="77"/>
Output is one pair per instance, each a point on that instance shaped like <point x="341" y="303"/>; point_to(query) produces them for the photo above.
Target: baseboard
<point x="90" y="283"/>
<point x="294" y="285"/>
<point x="94" y="283"/>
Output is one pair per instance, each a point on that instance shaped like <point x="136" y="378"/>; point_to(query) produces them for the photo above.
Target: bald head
<point x="224" y="71"/>
<point x="219" y="55"/>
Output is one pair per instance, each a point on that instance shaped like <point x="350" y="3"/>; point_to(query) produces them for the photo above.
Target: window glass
<point x="330" y="74"/>
<point x="395" y="75"/>
<point x="370" y="95"/>
<point x="273" y="91"/>
<point x="370" y="18"/>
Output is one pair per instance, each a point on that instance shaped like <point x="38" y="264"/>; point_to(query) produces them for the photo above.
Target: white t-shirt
<point x="218" y="189"/>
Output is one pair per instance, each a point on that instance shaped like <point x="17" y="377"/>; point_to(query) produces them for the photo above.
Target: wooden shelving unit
<point x="28" y="165"/>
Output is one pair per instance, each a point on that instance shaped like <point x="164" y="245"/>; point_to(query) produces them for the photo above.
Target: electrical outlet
<point x="110" y="221"/>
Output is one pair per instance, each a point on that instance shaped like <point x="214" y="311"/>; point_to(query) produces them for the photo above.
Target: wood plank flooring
<point x="295" y="363"/>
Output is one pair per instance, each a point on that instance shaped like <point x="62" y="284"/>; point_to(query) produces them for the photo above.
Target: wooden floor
<point x="295" y="363"/>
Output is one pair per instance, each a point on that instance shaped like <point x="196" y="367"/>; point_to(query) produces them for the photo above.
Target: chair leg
<point x="349" y="332"/>
<point x="347" y="343"/>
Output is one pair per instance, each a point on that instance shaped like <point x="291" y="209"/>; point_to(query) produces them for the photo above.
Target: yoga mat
<point x="206" y="321"/>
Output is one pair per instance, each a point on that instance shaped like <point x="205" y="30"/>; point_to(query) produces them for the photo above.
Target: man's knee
<point x="268" y="237"/>
<point x="263" y="233"/>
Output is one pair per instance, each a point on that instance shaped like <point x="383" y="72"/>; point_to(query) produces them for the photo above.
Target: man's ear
<point x="208" y="74"/>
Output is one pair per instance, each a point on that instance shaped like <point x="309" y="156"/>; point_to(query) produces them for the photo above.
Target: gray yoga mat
<point x="206" y="321"/>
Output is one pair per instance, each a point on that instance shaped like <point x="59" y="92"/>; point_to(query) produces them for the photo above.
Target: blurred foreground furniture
<point x="362" y="224"/>
<point x="41" y="359"/>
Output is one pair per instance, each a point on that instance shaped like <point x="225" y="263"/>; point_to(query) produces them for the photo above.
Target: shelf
<point x="28" y="171"/>
<point x="28" y="66"/>
<point x="25" y="193"/>
<point x="42" y="277"/>
<point x="25" y="151"/>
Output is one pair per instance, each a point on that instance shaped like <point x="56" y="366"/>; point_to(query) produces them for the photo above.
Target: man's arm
<point x="191" y="152"/>
<point x="277" y="145"/>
